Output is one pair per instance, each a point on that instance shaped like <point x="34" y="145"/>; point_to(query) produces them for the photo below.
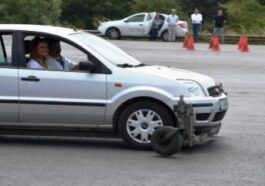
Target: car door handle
<point x="30" y="78"/>
<point x="140" y="24"/>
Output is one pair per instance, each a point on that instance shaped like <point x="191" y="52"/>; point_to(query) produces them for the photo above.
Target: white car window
<point x="137" y="18"/>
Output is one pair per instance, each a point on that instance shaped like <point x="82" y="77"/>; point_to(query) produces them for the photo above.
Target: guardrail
<point x="235" y="38"/>
<point x="229" y="39"/>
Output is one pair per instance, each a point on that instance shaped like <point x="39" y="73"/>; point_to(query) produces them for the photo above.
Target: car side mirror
<point x="87" y="66"/>
<point x="126" y="21"/>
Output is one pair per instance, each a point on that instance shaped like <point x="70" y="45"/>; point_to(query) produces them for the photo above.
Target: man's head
<point x="55" y="49"/>
<point x="220" y="12"/>
<point x="173" y="11"/>
<point x="196" y="10"/>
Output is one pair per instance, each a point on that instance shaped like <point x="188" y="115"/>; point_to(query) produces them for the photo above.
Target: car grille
<point x="202" y="117"/>
<point x="219" y="116"/>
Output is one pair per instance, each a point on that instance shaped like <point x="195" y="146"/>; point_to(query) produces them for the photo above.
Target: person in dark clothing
<point x="155" y="28"/>
<point x="220" y="21"/>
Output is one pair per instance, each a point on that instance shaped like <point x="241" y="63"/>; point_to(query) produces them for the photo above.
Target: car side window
<point x="5" y="50"/>
<point x="137" y="18"/>
<point x="60" y="55"/>
<point x="150" y="16"/>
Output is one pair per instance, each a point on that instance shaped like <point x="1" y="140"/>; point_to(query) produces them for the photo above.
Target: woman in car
<point x="39" y="54"/>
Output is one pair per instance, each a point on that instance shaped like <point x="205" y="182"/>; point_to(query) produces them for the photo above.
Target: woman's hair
<point x="34" y="47"/>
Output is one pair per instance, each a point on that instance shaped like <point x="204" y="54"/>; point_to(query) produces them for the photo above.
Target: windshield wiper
<point x="140" y="65"/>
<point x="126" y="65"/>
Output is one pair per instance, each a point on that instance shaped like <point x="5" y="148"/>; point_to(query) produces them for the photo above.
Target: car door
<point x="134" y="25"/>
<point x="148" y="23"/>
<point x="8" y="79"/>
<point x="60" y="97"/>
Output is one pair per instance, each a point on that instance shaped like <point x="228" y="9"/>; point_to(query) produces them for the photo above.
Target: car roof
<point x="38" y="28"/>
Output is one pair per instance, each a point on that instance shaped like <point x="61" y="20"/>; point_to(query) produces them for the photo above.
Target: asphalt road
<point x="235" y="157"/>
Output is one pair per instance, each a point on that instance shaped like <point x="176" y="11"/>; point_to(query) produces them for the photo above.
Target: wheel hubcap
<point x="141" y="124"/>
<point x="165" y="36"/>
<point x="113" y="33"/>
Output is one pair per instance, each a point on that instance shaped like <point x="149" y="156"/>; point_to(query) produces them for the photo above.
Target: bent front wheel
<point x="166" y="141"/>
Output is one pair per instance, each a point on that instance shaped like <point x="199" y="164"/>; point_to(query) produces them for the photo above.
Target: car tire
<point x="166" y="147"/>
<point x="164" y="36"/>
<point x="113" y="33"/>
<point x="138" y="121"/>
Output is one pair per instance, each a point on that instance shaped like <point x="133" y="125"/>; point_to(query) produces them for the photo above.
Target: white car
<point x="139" y="25"/>
<point x="110" y="91"/>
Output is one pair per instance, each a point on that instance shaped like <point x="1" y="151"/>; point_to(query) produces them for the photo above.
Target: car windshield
<point x="111" y="52"/>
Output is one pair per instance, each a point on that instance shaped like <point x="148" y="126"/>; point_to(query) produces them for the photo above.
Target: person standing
<point x="155" y="27"/>
<point x="196" y="19"/>
<point x="220" y="21"/>
<point x="172" y="21"/>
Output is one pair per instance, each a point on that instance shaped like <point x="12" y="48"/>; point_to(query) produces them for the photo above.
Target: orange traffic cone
<point x="214" y="43"/>
<point x="190" y="43"/>
<point x="239" y="46"/>
<point x="244" y="44"/>
<point x="186" y="39"/>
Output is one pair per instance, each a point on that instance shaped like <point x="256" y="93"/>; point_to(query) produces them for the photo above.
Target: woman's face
<point x="43" y="49"/>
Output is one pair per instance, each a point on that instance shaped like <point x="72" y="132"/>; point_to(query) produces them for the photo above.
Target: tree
<point x="162" y="6"/>
<point x="246" y="16"/>
<point x="82" y="13"/>
<point x="30" y="11"/>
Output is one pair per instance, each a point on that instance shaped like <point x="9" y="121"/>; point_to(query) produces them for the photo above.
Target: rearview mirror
<point x="87" y="66"/>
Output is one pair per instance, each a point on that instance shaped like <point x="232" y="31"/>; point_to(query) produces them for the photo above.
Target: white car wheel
<point x="139" y="120"/>
<point x="141" y="124"/>
<point x="113" y="33"/>
<point x="165" y="36"/>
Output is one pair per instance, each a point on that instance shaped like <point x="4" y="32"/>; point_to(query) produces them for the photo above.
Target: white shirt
<point x="33" y="64"/>
<point x="53" y="64"/>
<point x="172" y="20"/>
<point x="196" y="18"/>
<point x="65" y="64"/>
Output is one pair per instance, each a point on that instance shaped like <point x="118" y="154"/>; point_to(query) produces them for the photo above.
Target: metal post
<point x="185" y="117"/>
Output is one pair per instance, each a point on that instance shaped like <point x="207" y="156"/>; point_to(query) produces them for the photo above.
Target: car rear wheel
<point x="113" y="33"/>
<point x="138" y="122"/>
<point x="164" y="35"/>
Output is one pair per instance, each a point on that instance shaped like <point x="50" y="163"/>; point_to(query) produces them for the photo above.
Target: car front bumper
<point x="101" y="30"/>
<point x="208" y="111"/>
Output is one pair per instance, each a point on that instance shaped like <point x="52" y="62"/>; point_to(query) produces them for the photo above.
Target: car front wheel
<point x="138" y="122"/>
<point x="113" y="33"/>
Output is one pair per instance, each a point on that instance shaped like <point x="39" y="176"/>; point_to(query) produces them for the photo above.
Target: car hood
<point x="111" y="22"/>
<point x="176" y="74"/>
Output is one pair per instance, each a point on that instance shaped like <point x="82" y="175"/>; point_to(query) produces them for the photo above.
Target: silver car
<point x="111" y="92"/>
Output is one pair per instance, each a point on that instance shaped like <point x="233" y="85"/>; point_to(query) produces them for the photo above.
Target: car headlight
<point x="192" y="89"/>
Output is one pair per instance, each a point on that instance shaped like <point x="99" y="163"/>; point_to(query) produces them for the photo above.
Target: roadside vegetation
<point x="244" y="16"/>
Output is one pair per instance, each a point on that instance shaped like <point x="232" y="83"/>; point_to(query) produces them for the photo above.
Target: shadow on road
<point x="71" y="142"/>
<point x="217" y="144"/>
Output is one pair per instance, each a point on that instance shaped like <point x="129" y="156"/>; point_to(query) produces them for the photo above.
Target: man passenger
<point x="58" y="61"/>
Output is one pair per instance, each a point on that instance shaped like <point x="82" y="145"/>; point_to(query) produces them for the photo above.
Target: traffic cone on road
<point x="214" y="43"/>
<point x="239" y="46"/>
<point x="243" y="44"/>
<point x="190" y="43"/>
<point x="186" y="39"/>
